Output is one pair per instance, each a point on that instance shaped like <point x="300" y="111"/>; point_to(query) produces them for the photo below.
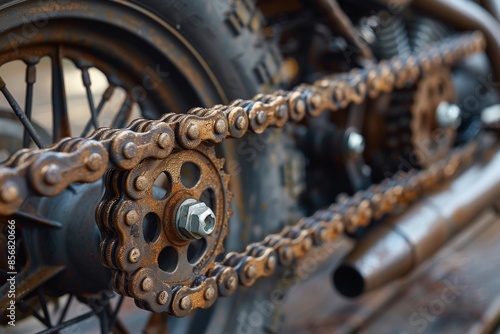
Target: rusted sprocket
<point x="137" y="218"/>
<point x="404" y="131"/>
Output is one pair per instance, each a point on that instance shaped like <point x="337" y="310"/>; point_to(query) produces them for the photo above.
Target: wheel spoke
<point x="30" y="81"/>
<point x="65" y="310"/>
<point x="104" y="320"/>
<point x="124" y="114"/>
<point x="114" y="316"/>
<point x="68" y="323"/>
<point x="61" y="127"/>
<point x="21" y="115"/>
<point x="43" y="302"/>
<point x="104" y="99"/>
<point x="87" y="83"/>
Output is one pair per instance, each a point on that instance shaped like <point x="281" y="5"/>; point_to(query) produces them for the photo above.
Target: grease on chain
<point x="49" y="171"/>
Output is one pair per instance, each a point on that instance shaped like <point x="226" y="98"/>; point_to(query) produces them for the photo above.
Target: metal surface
<point x="135" y="156"/>
<point x="194" y="220"/>
<point x="355" y="143"/>
<point x="86" y="159"/>
<point x="406" y="241"/>
<point x="139" y="226"/>
<point x="448" y="115"/>
<point x="467" y="15"/>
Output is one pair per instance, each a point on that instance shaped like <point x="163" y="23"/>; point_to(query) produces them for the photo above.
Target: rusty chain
<point x="48" y="172"/>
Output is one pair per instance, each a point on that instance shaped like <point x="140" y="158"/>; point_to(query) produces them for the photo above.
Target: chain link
<point x="50" y="171"/>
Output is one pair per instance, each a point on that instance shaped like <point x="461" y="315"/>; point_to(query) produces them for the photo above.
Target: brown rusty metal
<point x="48" y="172"/>
<point x="467" y="15"/>
<point x="142" y="243"/>
<point x="399" y="246"/>
<point x="136" y="155"/>
<point x="428" y="138"/>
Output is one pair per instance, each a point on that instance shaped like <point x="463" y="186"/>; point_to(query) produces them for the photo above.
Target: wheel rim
<point x="61" y="41"/>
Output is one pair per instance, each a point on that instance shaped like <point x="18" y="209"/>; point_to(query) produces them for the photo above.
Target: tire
<point x="226" y="33"/>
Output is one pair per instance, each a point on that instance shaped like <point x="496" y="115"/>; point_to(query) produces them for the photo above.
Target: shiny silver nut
<point x="448" y="115"/>
<point x="195" y="220"/>
<point x="355" y="143"/>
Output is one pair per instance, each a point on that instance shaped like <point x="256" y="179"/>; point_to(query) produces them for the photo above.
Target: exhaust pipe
<point x="395" y="249"/>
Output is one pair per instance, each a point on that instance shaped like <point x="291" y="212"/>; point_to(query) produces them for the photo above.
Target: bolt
<point x="164" y="140"/>
<point x="300" y="106"/>
<point x="307" y="244"/>
<point x="129" y="150"/>
<point x="131" y="217"/>
<point x="261" y="117"/>
<point x="220" y="126"/>
<point x="52" y="174"/>
<point x="209" y="293"/>
<point x="162" y="297"/>
<point x="193" y="132"/>
<point x="282" y="111"/>
<point x="231" y="283"/>
<point x="241" y="122"/>
<point x="9" y="192"/>
<point x="134" y="255"/>
<point x="448" y="115"/>
<point x="93" y="161"/>
<point x="271" y="263"/>
<point x="287" y="253"/>
<point x="251" y="271"/>
<point x="141" y="183"/>
<point x="147" y="284"/>
<point x="195" y="220"/>
<point x="185" y="303"/>
<point x="355" y="143"/>
<point x="316" y="100"/>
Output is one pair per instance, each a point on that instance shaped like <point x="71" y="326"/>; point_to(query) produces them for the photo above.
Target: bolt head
<point x="282" y="111"/>
<point x="355" y="143"/>
<point x="195" y="220"/>
<point x="261" y="117"/>
<point x="220" y="126"/>
<point x="162" y="297"/>
<point x="271" y="263"/>
<point x="241" y="122"/>
<point x="129" y="150"/>
<point x="9" y="192"/>
<point x="193" y="132"/>
<point x="231" y="283"/>
<point x="134" y="255"/>
<point x="93" y="161"/>
<point x="185" y="303"/>
<point x="164" y="140"/>
<point x="147" y="284"/>
<point x="141" y="183"/>
<point x="251" y="271"/>
<point x="448" y="115"/>
<point x="209" y="293"/>
<point x="52" y="174"/>
<point x="131" y="218"/>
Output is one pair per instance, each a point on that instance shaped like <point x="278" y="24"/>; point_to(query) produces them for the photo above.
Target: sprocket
<point x="137" y="219"/>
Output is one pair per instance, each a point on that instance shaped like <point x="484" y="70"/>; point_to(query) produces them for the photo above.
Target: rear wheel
<point x="147" y="58"/>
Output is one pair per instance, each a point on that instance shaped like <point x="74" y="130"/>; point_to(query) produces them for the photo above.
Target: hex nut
<point x="195" y="220"/>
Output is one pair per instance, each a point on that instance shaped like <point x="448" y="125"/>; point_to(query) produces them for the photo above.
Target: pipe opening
<point x="348" y="281"/>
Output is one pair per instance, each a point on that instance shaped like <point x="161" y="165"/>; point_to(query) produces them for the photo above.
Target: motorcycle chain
<point x="50" y="171"/>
